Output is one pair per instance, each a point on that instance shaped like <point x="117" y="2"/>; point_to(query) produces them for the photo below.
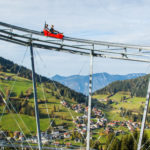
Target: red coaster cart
<point x="58" y="35"/>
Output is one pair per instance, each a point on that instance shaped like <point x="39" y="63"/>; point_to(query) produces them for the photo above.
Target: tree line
<point x="126" y="142"/>
<point x="22" y="107"/>
<point x="136" y="87"/>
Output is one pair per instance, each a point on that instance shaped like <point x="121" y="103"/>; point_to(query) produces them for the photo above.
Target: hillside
<point x="18" y="91"/>
<point x="9" y="67"/>
<point x="136" y="87"/>
<point x="64" y="114"/>
<point x="21" y="100"/>
<point x="80" y="83"/>
<point x="57" y="112"/>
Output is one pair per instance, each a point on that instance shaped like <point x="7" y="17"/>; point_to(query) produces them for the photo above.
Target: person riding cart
<point x="46" y="27"/>
<point x="52" y="30"/>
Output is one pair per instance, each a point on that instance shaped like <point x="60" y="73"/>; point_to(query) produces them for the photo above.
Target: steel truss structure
<point x="92" y="48"/>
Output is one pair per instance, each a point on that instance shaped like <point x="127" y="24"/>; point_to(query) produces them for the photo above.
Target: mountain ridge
<point x="80" y="83"/>
<point x="136" y="87"/>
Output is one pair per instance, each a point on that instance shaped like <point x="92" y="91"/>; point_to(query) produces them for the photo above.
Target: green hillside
<point x="124" y="101"/>
<point x="127" y="96"/>
<point x="9" y="67"/>
<point x="136" y="87"/>
<point x="18" y="92"/>
<point x="21" y="97"/>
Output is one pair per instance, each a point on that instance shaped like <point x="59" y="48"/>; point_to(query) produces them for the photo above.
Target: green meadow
<point x="47" y="103"/>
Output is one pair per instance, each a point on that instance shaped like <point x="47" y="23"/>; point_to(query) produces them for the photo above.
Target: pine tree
<point x="135" y="134"/>
<point x="130" y="142"/>
<point x="53" y="123"/>
<point x="109" y="139"/>
<point x="54" y="108"/>
<point x="145" y="141"/>
<point x="101" y="148"/>
<point x="124" y="143"/>
<point x="21" y="94"/>
<point x="115" y="144"/>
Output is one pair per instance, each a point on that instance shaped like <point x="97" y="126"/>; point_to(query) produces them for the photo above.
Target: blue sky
<point x="106" y="20"/>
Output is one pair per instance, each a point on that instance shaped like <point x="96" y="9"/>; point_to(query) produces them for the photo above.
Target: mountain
<point x="8" y="66"/>
<point x="80" y="83"/>
<point x="136" y="87"/>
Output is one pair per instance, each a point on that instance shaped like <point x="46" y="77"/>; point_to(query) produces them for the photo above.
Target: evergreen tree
<point x="115" y="144"/>
<point x="130" y="142"/>
<point x="21" y="94"/>
<point x="124" y="143"/>
<point x="101" y="148"/>
<point x="109" y="139"/>
<point x="53" y="123"/>
<point x="135" y="134"/>
<point x="54" y="108"/>
<point x="145" y="142"/>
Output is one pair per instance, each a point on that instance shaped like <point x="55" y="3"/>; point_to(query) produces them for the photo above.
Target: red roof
<point x="68" y="144"/>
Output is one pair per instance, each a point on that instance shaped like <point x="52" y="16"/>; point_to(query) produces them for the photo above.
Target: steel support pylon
<point x="89" y="101"/>
<point x="35" y="100"/>
<point x="144" y="116"/>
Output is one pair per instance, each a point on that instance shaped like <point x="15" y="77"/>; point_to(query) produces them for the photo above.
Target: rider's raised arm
<point x="46" y="27"/>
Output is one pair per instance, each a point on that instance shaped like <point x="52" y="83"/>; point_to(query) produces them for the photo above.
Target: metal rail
<point x="78" y="39"/>
<point x="23" y="40"/>
<point x="111" y="51"/>
<point x="19" y="28"/>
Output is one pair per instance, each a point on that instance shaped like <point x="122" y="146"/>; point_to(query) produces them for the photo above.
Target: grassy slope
<point x="114" y="113"/>
<point x="8" y="121"/>
<point x="130" y="104"/>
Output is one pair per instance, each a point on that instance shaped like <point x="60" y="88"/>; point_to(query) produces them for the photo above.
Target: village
<point x="60" y="135"/>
